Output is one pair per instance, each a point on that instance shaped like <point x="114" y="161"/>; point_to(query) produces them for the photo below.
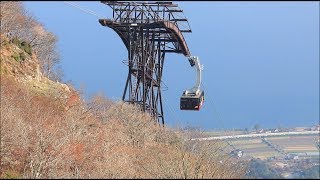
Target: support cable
<point x="88" y="11"/>
<point x="215" y="111"/>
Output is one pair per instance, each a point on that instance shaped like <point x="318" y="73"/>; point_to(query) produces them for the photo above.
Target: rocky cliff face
<point x="23" y="66"/>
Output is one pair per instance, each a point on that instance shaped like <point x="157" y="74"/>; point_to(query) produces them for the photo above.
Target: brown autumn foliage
<point x="100" y="139"/>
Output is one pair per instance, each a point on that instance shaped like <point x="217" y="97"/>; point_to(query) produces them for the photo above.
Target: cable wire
<point x="88" y="11"/>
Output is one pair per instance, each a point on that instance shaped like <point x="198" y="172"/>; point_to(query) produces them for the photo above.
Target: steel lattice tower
<point x="149" y="30"/>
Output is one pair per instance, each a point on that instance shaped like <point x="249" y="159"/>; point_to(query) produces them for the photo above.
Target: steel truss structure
<point x="149" y="30"/>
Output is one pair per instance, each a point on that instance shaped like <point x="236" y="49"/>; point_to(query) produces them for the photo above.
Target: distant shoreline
<point x="258" y="135"/>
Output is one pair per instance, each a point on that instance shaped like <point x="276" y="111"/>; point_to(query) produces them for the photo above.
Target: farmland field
<point x="291" y="144"/>
<point x="255" y="147"/>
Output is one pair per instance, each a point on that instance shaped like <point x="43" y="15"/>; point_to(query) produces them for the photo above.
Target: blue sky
<point x="261" y="60"/>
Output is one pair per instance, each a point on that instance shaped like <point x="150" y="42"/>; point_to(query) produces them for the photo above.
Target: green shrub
<point x="16" y="57"/>
<point x="19" y="57"/>
<point x="26" y="47"/>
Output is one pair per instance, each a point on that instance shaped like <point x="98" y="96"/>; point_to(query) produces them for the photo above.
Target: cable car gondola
<point x="193" y="99"/>
<point x="191" y="102"/>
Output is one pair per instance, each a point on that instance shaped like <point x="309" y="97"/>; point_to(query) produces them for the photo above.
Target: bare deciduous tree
<point x="17" y="22"/>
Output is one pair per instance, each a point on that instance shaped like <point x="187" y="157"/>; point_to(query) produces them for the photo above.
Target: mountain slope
<point x="48" y="131"/>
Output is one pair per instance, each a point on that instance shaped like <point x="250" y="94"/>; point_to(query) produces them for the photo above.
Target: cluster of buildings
<point x="298" y="129"/>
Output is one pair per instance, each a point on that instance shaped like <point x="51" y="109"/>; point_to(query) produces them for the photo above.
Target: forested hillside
<point x="48" y="131"/>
